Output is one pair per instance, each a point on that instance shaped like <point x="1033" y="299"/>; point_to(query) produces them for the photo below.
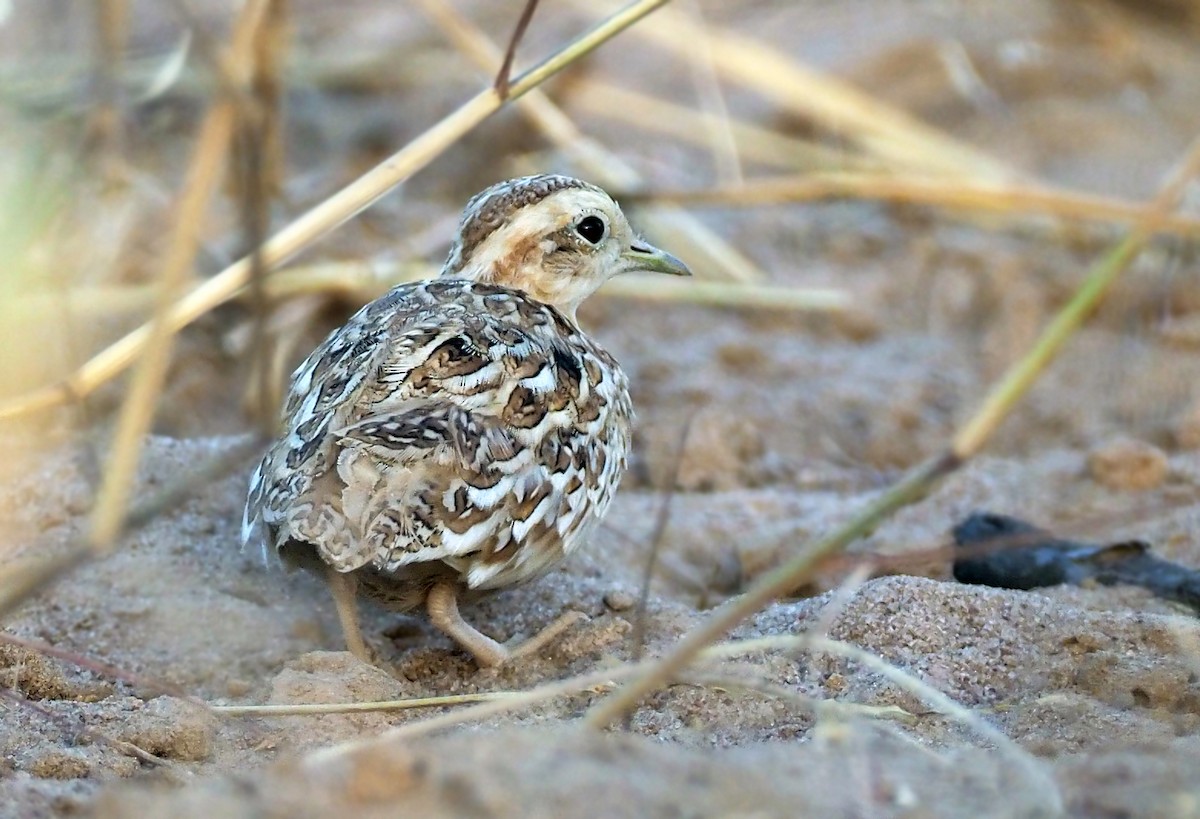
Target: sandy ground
<point x="1099" y="686"/>
<point x="796" y="423"/>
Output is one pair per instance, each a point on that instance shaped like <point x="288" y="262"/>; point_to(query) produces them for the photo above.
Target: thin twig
<point x="137" y="412"/>
<point x="510" y="53"/>
<point x="637" y="637"/>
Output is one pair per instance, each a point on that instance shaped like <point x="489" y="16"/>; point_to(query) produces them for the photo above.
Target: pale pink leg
<point x="442" y="605"/>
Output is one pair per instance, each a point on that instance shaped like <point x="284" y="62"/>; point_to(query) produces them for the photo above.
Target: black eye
<point x="591" y="228"/>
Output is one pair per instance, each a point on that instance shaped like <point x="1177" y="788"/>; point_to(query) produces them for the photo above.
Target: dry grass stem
<point x="365" y="281"/>
<point x="709" y="255"/>
<point x="1022" y="375"/>
<point x="594" y="681"/>
<point x="362" y="281"/>
<point x="312" y="709"/>
<point x="718" y="128"/>
<point x="258" y="164"/>
<point x="724" y="294"/>
<point x="899" y="139"/>
<point x="474" y="713"/>
<point x="679" y="122"/>
<point x="771" y="586"/>
<point x="200" y="184"/>
<point x="952" y="196"/>
<point x="805" y="702"/>
<point x="1035" y="772"/>
<point x="323" y="218"/>
<point x="104" y="121"/>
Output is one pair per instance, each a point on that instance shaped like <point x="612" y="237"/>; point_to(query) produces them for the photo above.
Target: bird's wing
<point x="325" y="383"/>
<point x="468" y="438"/>
<point x="472" y="446"/>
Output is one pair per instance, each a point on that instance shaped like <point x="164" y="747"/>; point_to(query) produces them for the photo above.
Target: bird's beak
<point x="642" y="256"/>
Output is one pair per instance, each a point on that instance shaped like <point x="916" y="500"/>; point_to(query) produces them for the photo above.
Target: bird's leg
<point x="442" y="605"/>
<point x="344" y="588"/>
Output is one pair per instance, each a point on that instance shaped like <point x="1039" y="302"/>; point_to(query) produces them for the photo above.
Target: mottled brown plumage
<point x="461" y="434"/>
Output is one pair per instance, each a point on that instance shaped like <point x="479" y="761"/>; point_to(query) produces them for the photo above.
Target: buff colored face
<point x="561" y="248"/>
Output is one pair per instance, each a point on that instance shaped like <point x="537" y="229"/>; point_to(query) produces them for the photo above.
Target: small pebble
<point x="1127" y="464"/>
<point x="238" y="687"/>
<point x="619" y="600"/>
<point x="60" y="765"/>
<point x="170" y="728"/>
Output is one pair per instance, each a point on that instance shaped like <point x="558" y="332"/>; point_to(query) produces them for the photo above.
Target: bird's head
<point x="556" y="238"/>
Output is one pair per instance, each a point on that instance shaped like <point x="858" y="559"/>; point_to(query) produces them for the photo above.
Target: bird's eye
<point x="591" y="228"/>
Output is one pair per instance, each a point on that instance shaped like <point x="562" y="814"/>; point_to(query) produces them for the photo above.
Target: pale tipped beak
<point x="642" y="256"/>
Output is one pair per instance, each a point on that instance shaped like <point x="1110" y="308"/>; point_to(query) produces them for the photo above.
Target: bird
<point x="461" y="434"/>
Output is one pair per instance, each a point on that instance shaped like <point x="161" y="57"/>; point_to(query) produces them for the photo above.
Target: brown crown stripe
<point x="487" y="211"/>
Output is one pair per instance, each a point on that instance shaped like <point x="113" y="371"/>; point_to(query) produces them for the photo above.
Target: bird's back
<point x="452" y="422"/>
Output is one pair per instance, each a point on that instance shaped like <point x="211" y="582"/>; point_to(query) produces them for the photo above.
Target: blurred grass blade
<point x="324" y="217"/>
